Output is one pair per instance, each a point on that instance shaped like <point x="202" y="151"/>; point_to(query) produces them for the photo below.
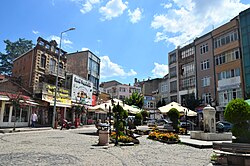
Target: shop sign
<point x="59" y="99"/>
<point x="81" y="90"/>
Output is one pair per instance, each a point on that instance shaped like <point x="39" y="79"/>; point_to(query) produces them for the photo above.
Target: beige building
<point x="228" y="65"/>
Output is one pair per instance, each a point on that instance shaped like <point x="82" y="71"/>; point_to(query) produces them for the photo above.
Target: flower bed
<point x="164" y="137"/>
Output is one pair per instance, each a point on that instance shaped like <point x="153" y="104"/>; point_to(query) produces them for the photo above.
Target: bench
<point x="232" y="153"/>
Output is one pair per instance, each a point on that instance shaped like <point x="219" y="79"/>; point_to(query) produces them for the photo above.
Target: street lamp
<point x="186" y="112"/>
<point x="59" y="54"/>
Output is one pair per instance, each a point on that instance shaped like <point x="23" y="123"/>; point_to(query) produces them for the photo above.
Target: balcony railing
<point x="53" y="71"/>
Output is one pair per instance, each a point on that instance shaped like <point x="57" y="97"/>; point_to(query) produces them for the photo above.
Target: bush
<point x="138" y="119"/>
<point x="238" y="113"/>
<point x="174" y="115"/>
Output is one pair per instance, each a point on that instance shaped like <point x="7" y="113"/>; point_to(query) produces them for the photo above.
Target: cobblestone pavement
<point x="75" y="147"/>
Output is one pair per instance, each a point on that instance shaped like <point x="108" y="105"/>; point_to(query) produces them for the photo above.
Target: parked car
<point x="223" y="126"/>
<point x="189" y="125"/>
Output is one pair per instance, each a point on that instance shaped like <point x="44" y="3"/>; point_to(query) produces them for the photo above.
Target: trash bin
<point x="103" y="135"/>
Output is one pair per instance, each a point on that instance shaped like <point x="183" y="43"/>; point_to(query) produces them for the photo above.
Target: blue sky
<point x="131" y="37"/>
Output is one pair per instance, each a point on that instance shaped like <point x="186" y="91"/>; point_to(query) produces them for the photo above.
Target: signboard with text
<point x="81" y="90"/>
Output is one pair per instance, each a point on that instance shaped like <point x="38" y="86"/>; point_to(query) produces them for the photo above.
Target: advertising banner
<point x="81" y="91"/>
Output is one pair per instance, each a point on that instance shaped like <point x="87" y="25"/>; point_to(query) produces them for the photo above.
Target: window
<point x="94" y="67"/>
<point x="122" y="89"/>
<point x="173" y="86"/>
<point x="41" y="43"/>
<point x="229" y="74"/>
<point x="206" y="97"/>
<point x="188" y="52"/>
<point x="172" y="72"/>
<point x="52" y="64"/>
<point x="227" y="95"/>
<point x="227" y="57"/>
<point x="172" y="58"/>
<point x="205" y="81"/>
<point x="204" y="48"/>
<point x="6" y="113"/>
<point x="225" y="39"/>
<point x="43" y="61"/>
<point x="187" y="69"/>
<point x="205" y="65"/>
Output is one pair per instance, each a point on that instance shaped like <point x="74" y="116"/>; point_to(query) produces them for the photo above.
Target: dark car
<point x="224" y="126"/>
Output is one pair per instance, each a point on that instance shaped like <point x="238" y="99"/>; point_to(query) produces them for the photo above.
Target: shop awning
<point x="4" y="98"/>
<point x="58" y="104"/>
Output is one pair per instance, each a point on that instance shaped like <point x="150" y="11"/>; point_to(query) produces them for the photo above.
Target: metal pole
<point x="57" y="72"/>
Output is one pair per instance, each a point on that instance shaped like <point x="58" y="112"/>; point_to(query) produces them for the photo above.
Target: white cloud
<point x="135" y="15"/>
<point x="111" y="69"/>
<point x="167" y="5"/>
<point x="160" y="70"/>
<point x="88" y="5"/>
<point x="35" y="32"/>
<point x="113" y="8"/>
<point x="85" y="49"/>
<point x="192" y="18"/>
<point x="57" y="39"/>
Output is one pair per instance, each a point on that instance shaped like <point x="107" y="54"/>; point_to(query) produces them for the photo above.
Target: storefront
<point x="15" y="115"/>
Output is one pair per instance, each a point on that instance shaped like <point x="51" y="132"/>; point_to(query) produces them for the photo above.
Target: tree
<point x="191" y="102"/>
<point x="174" y="115"/>
<point x="144" y="114"/>
<point x="13" y="50"/>
<point x="135" y="99"/>
<point x="238" y="113"/>
<point x="138" y="118"/>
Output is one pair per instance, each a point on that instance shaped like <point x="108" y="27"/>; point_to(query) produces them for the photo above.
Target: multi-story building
<point x="173" y="75"/>
<point x="118" y="90"/>
<point x="205" y="71"/>
<point x="244" y="22"/>
<point x="164" y="89"/>
<point x="37" y="70"/>
<point x="186" y="72"/>
<point x="228" y="66"/>
<point x="86" y="65"/>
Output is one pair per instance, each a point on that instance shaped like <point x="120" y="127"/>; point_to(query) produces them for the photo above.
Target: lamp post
<point x="57" y="72"/>
<point x="186" y="112"/>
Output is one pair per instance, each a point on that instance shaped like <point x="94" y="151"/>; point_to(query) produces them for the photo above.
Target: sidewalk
<point x="23" y="129"/>
<point x="27" y="129"/>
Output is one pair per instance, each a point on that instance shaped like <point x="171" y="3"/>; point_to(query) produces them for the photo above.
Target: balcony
<point x="53" y="71"/>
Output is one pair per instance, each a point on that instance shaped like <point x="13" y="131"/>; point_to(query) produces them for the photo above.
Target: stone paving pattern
<point x="75" y="147"/>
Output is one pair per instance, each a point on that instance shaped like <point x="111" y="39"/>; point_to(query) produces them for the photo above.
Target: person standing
<point x="33" y="119"/>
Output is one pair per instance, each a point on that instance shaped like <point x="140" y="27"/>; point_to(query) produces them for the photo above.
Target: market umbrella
<point x="179" y="107"/>
<point x="105" y="107"/>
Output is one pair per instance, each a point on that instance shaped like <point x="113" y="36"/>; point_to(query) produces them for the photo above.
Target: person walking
<point x="33" y="119"/>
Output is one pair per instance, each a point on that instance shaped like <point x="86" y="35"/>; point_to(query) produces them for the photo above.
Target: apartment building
<point x="244" y="22"/>
<point x="173" y="75"/>
<point x="164" y="89"/>
<point x="205" y="71"/>
<point x="186" y="72"/>
<point x="37" y="70"/>
<point x="86" y="65"/>
<point x="119" y="91"/>
<point x="228" y="65"/>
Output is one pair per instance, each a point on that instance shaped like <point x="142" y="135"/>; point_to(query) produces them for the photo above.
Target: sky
<point x="131" y="37"/>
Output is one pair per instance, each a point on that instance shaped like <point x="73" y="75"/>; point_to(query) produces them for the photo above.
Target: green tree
<point x="174" y="115"/>
<point x="135" y="99"/>
<point x="138" y="118"/>
<point x="238" y="113"/>
<point x="13" y="50"/>
<point x="144" y="114"/>
<point x="191" y="102"/>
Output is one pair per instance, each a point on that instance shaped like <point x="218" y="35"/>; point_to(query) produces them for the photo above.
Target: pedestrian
<point x="33" y="119"/>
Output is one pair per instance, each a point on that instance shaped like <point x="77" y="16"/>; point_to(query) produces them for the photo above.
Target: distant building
<point x="119" y="91"/>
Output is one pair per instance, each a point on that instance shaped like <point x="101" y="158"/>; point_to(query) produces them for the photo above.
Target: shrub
<point x="238" y="113"/>
<point x="174" y="115"/>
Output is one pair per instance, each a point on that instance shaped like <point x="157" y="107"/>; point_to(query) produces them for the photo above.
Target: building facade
<point x="37" y="69"/>
<point x="86" y="65"/>
<point x="228" y="66"/>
